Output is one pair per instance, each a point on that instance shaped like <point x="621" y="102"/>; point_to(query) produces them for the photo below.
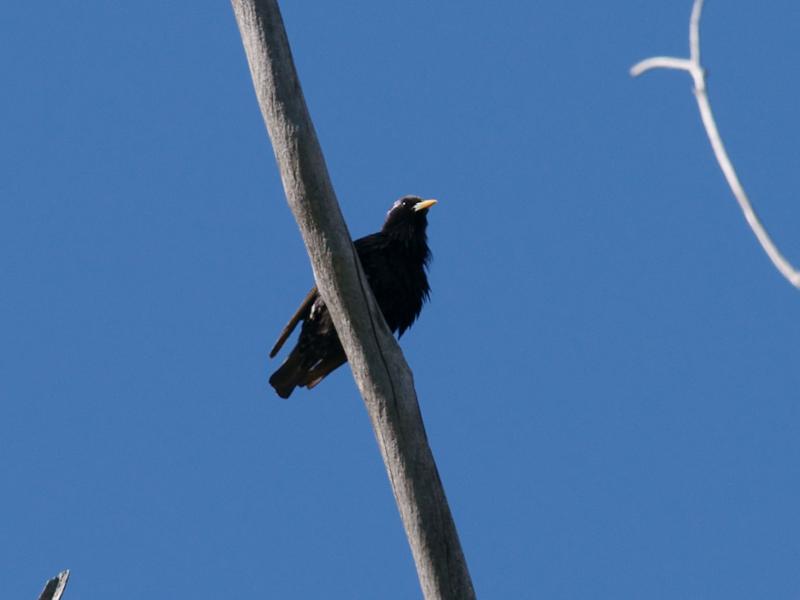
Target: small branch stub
<point x="54" y="589"/>
<point x="693" y="66"/>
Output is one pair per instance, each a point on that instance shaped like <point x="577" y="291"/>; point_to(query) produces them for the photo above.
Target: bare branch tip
<point x="637" y="69"/>
<point x="661" y="62"/>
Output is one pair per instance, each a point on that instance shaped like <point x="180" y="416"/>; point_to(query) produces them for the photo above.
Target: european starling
<point x="394" y="261"/>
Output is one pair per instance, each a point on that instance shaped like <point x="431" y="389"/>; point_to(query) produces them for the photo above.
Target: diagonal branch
<point x="382" y="375"/>
<point x="695" y="69"/>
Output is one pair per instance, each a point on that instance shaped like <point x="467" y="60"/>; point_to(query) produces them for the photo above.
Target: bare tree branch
<point x="54" y="588"/>
<point x="696" y="70"/>
<point x="382" y="375"/>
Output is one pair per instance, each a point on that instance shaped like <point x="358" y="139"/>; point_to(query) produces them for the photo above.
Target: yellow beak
<point x="423" y="205"/>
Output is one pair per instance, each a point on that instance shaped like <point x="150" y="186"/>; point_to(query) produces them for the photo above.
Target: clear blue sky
<point x="608" y="366"/>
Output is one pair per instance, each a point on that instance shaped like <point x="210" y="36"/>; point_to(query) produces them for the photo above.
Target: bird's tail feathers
<point x="288" y="376"/>
<point x="321" y="370"/>
<point x="293" y="373"/>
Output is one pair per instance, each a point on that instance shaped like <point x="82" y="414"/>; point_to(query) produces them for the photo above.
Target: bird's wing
<point x="370" y="254"/>
<point x="368" y="243"/>
<point x="296" y="317"/>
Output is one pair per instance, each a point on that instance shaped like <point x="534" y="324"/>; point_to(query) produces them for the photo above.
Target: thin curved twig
<point x="693" y="66"/>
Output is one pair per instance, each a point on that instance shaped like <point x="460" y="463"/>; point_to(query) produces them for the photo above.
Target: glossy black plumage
<point x="394" y="261"/>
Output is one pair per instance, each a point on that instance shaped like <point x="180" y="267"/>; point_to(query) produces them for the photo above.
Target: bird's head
<point x="409" y="212"/>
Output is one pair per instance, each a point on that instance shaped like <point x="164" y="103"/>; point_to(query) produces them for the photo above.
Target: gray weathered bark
<point x="382" y="375"/>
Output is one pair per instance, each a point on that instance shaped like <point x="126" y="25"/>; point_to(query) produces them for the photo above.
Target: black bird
<point x="394" y="261"/>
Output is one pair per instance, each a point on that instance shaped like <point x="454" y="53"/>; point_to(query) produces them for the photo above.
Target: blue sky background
<point x="608" y="367"/>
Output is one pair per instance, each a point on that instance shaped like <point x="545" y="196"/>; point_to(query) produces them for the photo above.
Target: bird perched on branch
<point x="394" y="261"/>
